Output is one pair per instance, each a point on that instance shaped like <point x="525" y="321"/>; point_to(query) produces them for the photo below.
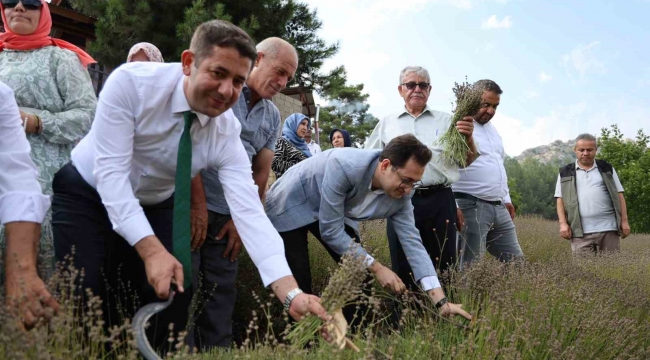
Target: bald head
<point x="274" y="46"/>
<point x="276" y="64"/>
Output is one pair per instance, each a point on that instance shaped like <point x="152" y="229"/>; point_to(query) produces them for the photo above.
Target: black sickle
<point x="140" y="320"/>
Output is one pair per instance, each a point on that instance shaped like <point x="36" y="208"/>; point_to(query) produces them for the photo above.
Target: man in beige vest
<point x="590" y="203"/>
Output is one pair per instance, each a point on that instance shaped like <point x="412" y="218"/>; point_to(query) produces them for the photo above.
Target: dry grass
<point x="552" y="306"/>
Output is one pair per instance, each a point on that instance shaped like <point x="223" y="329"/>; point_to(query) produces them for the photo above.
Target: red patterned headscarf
<point x="39" y="38"/>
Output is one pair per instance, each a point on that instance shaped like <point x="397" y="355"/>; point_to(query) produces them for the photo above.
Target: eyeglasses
<point x="407" y="183"/>
<point x="27" y="4"/>
<point x="411" y="85"/>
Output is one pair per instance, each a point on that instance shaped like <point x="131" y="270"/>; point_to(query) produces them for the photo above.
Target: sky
<point x="566" y="67"/>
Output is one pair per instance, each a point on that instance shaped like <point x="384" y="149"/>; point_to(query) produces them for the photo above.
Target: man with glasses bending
<point x="318" y="193"/>
<point x="434" y="208"/>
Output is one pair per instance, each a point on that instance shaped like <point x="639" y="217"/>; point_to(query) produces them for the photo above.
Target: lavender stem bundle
<point x="454" y="144"/>
<point x="344" y="288"/>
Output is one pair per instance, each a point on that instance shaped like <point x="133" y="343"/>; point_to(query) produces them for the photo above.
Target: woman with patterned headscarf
<point x="291" y="148"/>
<point x="54" y="93"/>
<point x="144" y="51"/>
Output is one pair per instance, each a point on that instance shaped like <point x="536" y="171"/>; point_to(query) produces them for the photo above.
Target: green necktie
<point x="181" y="227"/>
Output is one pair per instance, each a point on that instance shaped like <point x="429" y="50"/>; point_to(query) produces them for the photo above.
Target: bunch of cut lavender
<point x="344" y="288"/>
<point x="453" y="143"/>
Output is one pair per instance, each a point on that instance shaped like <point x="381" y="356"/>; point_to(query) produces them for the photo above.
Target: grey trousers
<point x="214" y="280"/>
<point x="487" y="227"/>
<point x="596" y="242"/>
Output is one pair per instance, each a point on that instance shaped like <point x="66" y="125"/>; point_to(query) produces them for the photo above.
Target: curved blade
<point x="140" y="320"/>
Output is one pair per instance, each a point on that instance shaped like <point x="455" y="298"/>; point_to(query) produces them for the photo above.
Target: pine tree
<point x="347" y="109"/>
<point x="300" y="31"/>
<point x="169" y="24"/>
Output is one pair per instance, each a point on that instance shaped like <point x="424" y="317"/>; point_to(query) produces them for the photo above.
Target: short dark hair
<point x="488" y="85"/>
<point x="222" y="34"/>
<point x="404" y="147"/>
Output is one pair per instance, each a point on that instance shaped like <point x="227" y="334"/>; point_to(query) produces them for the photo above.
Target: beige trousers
<point x="596" y="242"/>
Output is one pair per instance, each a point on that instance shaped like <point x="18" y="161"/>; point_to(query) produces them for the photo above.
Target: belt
<point x="430" y="190"/>
<point x="460" y="195"/>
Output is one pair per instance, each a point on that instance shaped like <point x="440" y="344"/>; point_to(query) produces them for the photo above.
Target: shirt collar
<point x="180" y="105"/>
<point x="377" y="192"/>
<point x="595" y="166"/>
<point x="246" y="92"/>
<point x="405" y="112"/>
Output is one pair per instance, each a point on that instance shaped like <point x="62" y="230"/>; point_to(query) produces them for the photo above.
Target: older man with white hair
<point x="434" y="206"/>
<point x="215" y="240"/>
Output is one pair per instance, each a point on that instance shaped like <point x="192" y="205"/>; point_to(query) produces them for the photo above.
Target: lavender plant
<point x="344" y="288"/>
<point x="454" y="144"/>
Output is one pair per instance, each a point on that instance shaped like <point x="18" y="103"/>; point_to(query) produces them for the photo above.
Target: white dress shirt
<point x="314" y="148"/>
<point x="486" y="177"/>
<point x="427" y="127"/>
<point x="21" y="196"/>
<point x="130" y="155"/>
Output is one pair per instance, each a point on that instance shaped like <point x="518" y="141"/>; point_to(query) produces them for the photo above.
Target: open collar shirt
<point x="597" y="212"/>
<point x="259" y="130"/>
<point x="427" y="127"/>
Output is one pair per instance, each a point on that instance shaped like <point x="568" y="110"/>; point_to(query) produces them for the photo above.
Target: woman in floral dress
<point x="54" y="92"/>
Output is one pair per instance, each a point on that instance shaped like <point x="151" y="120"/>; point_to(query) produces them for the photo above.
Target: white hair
<point x="418" y="70"/>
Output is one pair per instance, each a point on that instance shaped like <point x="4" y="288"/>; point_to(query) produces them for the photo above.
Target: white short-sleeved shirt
<point x="596" y="209"/>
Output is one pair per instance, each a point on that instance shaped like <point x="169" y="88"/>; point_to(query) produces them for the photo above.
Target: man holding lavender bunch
<point x="482" y="192"/>
<point x="434" y="207"/>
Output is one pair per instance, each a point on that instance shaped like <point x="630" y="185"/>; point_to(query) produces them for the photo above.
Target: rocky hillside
<point x="556" y="152"/>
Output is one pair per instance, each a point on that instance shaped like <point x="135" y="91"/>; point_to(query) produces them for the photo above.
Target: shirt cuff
<point x="429" y="283"/>
<point x="369" y="260"/>
<point x="273" y="269"/>
<point x="135" y="228"/>
<point x="507" y="199"/>
<point x="23" y="206"/>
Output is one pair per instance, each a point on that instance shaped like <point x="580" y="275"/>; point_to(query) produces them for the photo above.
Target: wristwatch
<point x="292" y="294"/>
<point x="440" y="303"/>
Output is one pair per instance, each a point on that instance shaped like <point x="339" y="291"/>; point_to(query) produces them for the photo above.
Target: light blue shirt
<point x="259" y="129"/>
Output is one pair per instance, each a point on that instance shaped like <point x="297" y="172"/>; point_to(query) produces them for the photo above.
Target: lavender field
<point x="552" y="306"/>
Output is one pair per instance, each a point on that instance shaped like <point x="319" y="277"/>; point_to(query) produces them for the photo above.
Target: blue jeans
<point x="487" y="227"/>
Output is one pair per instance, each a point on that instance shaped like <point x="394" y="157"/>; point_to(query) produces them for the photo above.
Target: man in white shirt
<point x="313" y="147"/>
<point x="482" y="191"/>
<point x="590" y="203"/>
<point x="22" y="210"/>
<point x="434" y="207"/>
<point x="124" y="201"/>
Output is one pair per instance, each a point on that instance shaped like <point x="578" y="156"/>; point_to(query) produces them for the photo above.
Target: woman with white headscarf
<point x="144" y="51"/>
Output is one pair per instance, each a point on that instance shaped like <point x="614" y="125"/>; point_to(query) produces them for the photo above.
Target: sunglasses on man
<point x="411" y="85"/>
<point x="27" y="4"/>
